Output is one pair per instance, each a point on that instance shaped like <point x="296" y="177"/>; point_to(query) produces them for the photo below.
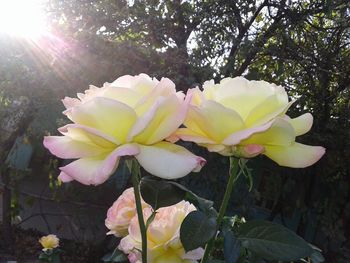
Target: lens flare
<point x="22" y="18"/>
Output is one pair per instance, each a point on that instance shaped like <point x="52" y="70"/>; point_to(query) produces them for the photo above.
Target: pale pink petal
<point x="65" y="147"/>
<point x="195" y="254"/>
<point x="96" y="170"/>
<point x="167" y="87"/>
<point x="65" y="178"/>
<point x="237" y="137"/>
<point x="126" y="244"/>
<point x="173" y="138"/>
<point x="134" y="257"/>
<point x="252" y="150"/>
<point x="70" y="102"/>
<point x="197" y="97"/>
<point x="296" y="155"/>
<point x="168" y="161"/>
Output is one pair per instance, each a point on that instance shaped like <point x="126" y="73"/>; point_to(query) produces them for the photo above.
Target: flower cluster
<point x="163" y="234"/>
<point x="140" y="116"/>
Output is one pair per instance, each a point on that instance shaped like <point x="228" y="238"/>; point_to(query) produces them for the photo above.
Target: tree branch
<point x="259" y="43"/>
<point x="242" y="32"/>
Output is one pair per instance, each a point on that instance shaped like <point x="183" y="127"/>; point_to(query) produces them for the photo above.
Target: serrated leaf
<point x="272" y="241"/>
<point x="160" y="193"/>
<point x="231" y="247"/>
<point x="196" y="230"/>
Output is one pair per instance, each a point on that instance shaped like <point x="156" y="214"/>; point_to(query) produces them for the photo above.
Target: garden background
<point x="302" y="45"/>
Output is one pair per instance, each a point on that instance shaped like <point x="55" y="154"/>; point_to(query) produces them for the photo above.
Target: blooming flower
<point x="247" y="118"/>
<point x="163" y="237"/>
<point x="121" y="212"/>
<point x="49" y="242"/>
<point x="129" y="117"/>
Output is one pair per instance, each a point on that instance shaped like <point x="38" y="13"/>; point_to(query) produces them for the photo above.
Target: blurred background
<point x="50" y="49"/>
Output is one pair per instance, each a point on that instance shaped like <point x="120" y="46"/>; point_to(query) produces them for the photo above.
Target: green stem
<point x="233" y="172"/>
<point x="135" y="175"/>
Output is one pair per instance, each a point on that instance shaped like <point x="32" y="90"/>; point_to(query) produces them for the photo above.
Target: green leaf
<point x="150" y="219"/>
<point x="231" y="247"/>
<point x="316" y="256"/>
<point x="160" y="193"/>
<point x="115" y="256"/>
<point x="272" y="241"/>
<point x="196" y="230"/>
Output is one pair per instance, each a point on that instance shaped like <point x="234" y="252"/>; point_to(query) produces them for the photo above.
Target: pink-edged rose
<point x="121" y="212"/>
<point x="243" y="118"/>
<point x="163" y="237"/>
<point x="128" y="117"/>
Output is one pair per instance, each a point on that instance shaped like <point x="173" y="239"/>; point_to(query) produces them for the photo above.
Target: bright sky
<point x="22" y="18"/>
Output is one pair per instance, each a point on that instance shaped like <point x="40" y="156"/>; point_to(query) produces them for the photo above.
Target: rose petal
<point x="127" y="96"/>
<point x="65" y="147"/>
<point x="195" y="254"/>
<point x="96" y="170"/>
<point x="237" y="137"/>
<point x="186" y="134"/>
<point x="302" y="124"/>
<point x="196" y="95"/>
<point x="161" y="121"/>
<point x="104" y="114"/>
<point x="270" y="108"/>
<point x="213" y="120"/>
<point x="88" y="135"/>
<point x="70" y="102"/>
<point x="163" y="89"/>
<point x="168" y="161"/>
<point x="65" y="178"/>
<point x="242" y="95"/>
<point x="296" y="156"/>
<point x="280" y="133"/>
<point x="141" y="83"/>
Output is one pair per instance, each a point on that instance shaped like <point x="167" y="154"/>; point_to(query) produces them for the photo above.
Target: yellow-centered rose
<point x="122" y="211"/>
<point x="129" y="117"/>
<point x="49" y="242"/>
<point x="247" y="118"/>
<point x="163" y="237"/>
